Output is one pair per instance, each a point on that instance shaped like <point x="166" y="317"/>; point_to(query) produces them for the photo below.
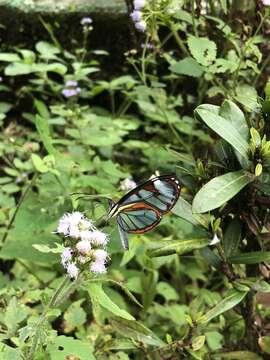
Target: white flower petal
<point x="215" y="240"/>
<point x="98" y="267"/>
<point x="83" y="247"/>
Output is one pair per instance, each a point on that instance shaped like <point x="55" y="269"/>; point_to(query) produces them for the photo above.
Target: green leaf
<point x="58" y="249"/>
<point x="136" y="331"/>
<point x="248" y="97"/>
<point x="237" y="355"/>
<point x="253" y="257"/>
<point x="232" y="237"/>
<point x="64" y="347"/>
<point x="39" y="164"/>
<point x="230" y="111"/>
<point x="198" y="342"/>
<point x="187" y="66"/>
<point x="15" y="313"/>
<point x="18" y="68"/>
<point x="47" y="50"/>
<point x="42" y="109"/>
<point x="219" y="190"/>
<point x="183" y="209"/>
<point x="202" y="49"/>
<point x="224" y="128"/>
<point x="9" y="57"/>
<point x="264" y="342"/>
<point x="98" y="296"/>
<point x="234" y="298"/>
<point x="42" y="126"/>
<point x="167" y="291"/>
<point x="179" y="247"/>
<point x="75" y="316"/>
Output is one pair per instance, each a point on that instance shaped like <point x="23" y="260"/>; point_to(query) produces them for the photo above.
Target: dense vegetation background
<point x="190" y="97"/>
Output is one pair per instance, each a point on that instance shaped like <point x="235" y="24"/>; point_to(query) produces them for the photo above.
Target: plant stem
<point x="193" y="19"/>
<point x="42" y="318"/>
<point x="23" y="195"/>
<point x="179" y="41"/>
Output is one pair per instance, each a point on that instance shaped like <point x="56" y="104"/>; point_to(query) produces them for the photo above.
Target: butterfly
<point x="142" y="208"/>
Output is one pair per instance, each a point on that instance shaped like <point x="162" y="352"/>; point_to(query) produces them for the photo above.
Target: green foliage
<point x="187" y="103"/>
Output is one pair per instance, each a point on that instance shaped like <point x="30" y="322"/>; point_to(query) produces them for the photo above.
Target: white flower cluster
<point x="127" y="184"/>
<point x="86" y="244"/>
<point x="136" y="15"/>
<point x="266" y="2"/>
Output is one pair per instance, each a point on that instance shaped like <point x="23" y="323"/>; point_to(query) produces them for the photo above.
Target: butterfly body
<point x="142" y="208"/>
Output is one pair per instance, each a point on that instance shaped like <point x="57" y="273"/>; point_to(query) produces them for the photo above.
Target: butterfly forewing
<point x="161" y="192"/>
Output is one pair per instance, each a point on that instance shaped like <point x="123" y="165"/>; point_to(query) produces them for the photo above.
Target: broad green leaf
<point x="98" y="296"/>
<point x="18" y="68"/>
<point x="202" y="49"/>
<point x="214" y="340"/>
<point x="183" y="209"/>
<point x="44" y="133"/>
<point x="136" y="331"/>
<point x="198" y="342"/>
<point x="64" y="347"/>
<point x="210" y="257"/>
<point x="223" y="128"/>
<point x="229" y="302"/>
<point x="253" y="257"/>
<point x="15" y="313"/>
<point x="247" y="96"/>
<point x="9" y="353"/>
<point x="187" y="66"/>
<point x="75" y="316"/>
<point x="47" y="50"/>
<point x="237" y="355"/>
<point x="230" y="111"/>
<point x="33" y="226"/>
<point x="9" y="57"/>
<point x="39" y="164"/>
<point x="42" y="109"/>
<point x="264" y="342"/>
<point x="179" y="247"/>
<point x="167" y="291"/>
<point x="58" y="249"/>
<point x="232" y="237"/>
<point x="219" y="190"/>
<point x="255" y="284"/>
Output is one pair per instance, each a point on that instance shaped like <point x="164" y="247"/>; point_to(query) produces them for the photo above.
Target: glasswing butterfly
<point x="142" y="208"/>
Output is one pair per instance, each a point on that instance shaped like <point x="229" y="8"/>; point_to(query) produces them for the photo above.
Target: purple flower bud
<point x="140" y="25"/>
<point x="71" y="83"/>
<point x="69" y="92"/>
<point x="138" y="4"/>
<point x="86" y="21"/>
<point x="1" y="79"/>
<point x="136" y="15"/>
<point x="148" y="46"/>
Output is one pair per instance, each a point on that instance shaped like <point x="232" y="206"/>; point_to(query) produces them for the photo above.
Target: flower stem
<point x="40" y="322"/>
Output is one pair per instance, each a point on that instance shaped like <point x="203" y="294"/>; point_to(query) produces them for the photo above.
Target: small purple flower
<point x="86" y="21"/>
<point x="148" y="46"/>
<point x="71" y="83"/>
<point x="66" y="256"/>
<point x="83" y="247"/>
<point x="69" y="92"/>
<point x="1" y="79"/>
<point x="138" y="4"/>
<point x="140" y="25"/>
<point x="136" y="15"/>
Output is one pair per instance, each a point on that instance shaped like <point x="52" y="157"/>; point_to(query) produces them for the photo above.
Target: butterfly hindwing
<point x="138" y="218"/>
